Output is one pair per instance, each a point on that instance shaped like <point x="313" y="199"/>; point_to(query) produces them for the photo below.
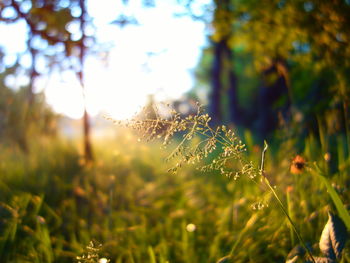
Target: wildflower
<point x="289" y="189"/>
<point x="298" y="165"/>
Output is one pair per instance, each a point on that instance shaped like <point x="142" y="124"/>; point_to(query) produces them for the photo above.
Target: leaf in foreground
<point x="333" y="237"/>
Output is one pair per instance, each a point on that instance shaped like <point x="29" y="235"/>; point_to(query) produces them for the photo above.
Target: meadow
<point x="271" y="186"/>
<point x="52" y="205"/>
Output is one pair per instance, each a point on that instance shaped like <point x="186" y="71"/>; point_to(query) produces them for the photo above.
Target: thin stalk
<point x="289" y="208"/>
<point x="289" y="219"/>
<point x="249" y="223"/>
<point x="343" y="212"/>
<point x="284" y="210"/>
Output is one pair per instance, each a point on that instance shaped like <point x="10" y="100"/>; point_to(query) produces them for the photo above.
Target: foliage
<point x="51" y="206"/>
<point x="50" y="22"/>
<point x="230" y="146"/>
<point x="140" y="213"/>
<point x="57" y="35"/>
<point x="299" y="41"/>
<point x="343" y="213"/>
<point x="333" y="238"/>
<point x="21" y="120"/>
<point x="331" y="243"/>
<point x="295" y="29"/>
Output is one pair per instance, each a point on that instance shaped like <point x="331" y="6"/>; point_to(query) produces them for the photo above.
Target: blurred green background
<point x="270" y="70"/>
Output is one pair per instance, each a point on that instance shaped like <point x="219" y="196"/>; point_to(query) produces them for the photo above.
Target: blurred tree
<point x="21" y="120"/>
<point x="52" y="25"/>
<point x="82" y="47"/>
<point x="222" y="73"/>
<point x="219" y="19"/>
<point x="286" y="39"/>
<point x="301" y="34"/>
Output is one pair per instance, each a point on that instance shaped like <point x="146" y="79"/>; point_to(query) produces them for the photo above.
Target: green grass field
<point x="52" y="206"/>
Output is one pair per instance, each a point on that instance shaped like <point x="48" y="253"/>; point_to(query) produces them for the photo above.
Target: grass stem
<point x="284" y="210"/>
<point x="289" y="208"/>
<point x="289" y="219"/>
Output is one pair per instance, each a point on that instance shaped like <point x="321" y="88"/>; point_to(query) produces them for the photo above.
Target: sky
<point x="157" y="56"/>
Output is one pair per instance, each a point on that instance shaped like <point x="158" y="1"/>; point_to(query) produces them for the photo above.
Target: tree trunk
<point x="234" y="111"/>
<point x="275" y="86"/>
<point x="223" y="73"/>
<point x="88" y="152"/>
<point x="215" y="98"/>
<point x="223" y="76"/>
<point x="33" y="73"/>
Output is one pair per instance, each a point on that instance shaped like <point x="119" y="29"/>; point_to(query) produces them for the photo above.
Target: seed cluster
<point x="91" y="254"/>
<point x="221" y="140"/>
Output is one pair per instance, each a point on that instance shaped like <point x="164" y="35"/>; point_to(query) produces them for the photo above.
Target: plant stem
<point x="289" y="209"/>
<point x="249" y="223"/>
<point x="289" y="219"/>
<point x="343" y="212"/>
<point x="284" y="210"/>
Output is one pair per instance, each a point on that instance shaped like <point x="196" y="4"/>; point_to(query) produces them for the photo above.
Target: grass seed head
<point x="199" y="141"/>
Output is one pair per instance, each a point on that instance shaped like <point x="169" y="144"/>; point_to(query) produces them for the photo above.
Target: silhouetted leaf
<point x="296" y="253"/>
<point x="333" y="237"/>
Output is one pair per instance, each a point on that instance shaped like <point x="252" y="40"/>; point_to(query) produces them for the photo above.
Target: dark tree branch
<point x="43" y="34"/>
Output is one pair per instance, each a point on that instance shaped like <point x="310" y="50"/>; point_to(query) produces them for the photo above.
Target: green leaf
<point x="343" y="213"/>
<point x="152" y="255"/>
<point x="333" y="237"/>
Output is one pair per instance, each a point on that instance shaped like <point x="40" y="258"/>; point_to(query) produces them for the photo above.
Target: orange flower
<point x="289" y="189"/>
<point x="298" y="165"/>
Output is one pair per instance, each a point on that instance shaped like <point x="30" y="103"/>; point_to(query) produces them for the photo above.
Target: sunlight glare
<point x="150" y="58"/>
<point x="66" y="99"/>
<point x="116" y="91"/>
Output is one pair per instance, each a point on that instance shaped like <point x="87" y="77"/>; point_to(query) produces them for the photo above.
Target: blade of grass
<point x="249" y="223"/>
<point x="279" y="201"/>
<point x="151" y="255"/>
<point x="289" y="219"/>
<point x="343" y="213"/>
<point x="289" y="206"/>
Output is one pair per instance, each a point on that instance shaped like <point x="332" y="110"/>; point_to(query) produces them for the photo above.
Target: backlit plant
<point x="227" y="146"/>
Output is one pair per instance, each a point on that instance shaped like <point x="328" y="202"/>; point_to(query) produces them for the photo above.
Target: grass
<point x="51" y="207"/>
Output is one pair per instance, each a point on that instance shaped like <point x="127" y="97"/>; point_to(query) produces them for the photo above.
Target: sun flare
<point x="101" y="95"/>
